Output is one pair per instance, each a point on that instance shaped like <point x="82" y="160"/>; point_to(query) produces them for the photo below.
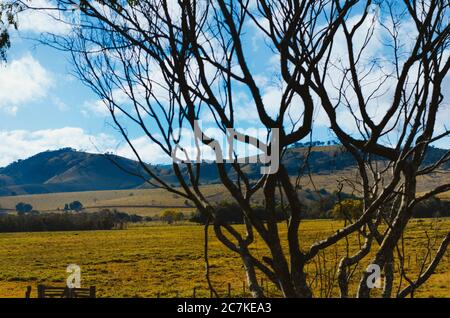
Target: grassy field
<point x="445" y="196"/>
<point x="145" y="202"/>
<point x="146" y="260"/>
<point x="150" y="202"/>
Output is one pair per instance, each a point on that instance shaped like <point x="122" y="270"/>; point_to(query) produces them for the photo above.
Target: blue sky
<point x="45" y="97"/>
<point x="44" y="107"/>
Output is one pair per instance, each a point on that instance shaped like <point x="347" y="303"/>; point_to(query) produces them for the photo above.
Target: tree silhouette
<point x="23" y="208"/>
<point x="160" y="66"/>
<point x="76" y="206"/>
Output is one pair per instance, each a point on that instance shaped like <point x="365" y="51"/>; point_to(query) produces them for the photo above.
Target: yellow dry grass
<point x="149" y="202"/>
<point x="143" y="261"/>
<point x="146" y="202"/>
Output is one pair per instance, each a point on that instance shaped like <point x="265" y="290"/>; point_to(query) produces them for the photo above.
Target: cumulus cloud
<point x="41" y="21"/>
<point x="148" y="151"/>
<point x="95" y="107"/>
<point x="21" y="144"/>
<point x="21" y="81"/>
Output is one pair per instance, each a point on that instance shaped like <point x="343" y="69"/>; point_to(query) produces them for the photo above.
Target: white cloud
<point x="22" y="81"/>
<point x="95" y="107"/>
<point x="148" y="151"/>
<point x="60" y="104"/>
<point x="21" y="144"/>
<point x="40" y="21"/>
<point x="11" y="110"/>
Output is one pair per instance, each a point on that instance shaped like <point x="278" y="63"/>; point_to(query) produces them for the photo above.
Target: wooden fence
<point x="227" y="290"/>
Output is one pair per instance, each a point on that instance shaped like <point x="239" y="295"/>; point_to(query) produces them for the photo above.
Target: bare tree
<point x="408" y="81"/>
<point x="163" y="65"/>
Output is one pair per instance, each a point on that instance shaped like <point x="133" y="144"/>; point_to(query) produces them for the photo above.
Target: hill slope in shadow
<point x="68" y="170"/>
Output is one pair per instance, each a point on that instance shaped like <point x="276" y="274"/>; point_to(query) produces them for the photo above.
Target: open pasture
<point x="143" y="261"/>
<point x="150" y="202"/>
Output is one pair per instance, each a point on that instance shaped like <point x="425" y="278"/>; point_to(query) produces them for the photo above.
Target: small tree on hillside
<point x="179" y="216"/>
<point x="23" y="208"/>
<point x="76" y="206"/>
<point x="169" y="216"/>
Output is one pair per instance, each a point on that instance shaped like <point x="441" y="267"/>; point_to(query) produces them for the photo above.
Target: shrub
<point x="348" y="208"/>
<point x="35" y="222"/>
<point x="171" y="216"/>
<point x="432" y="207"/>
<point x="22" y="208"/>
<point x="231" y="212"/>
<point x="76" y="206"/>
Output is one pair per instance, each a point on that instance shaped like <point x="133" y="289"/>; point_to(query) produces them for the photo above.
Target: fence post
<point x="229" y="290"/>
<point x="28" y="292"/>
<point x="40" y="289"/>
<point x="92" y="292"/>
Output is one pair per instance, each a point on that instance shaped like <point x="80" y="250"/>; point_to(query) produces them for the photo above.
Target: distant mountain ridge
<point x="68" y="170"/>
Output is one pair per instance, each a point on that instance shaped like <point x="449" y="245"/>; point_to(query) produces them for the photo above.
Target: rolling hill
<point x="68" y="170"/>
